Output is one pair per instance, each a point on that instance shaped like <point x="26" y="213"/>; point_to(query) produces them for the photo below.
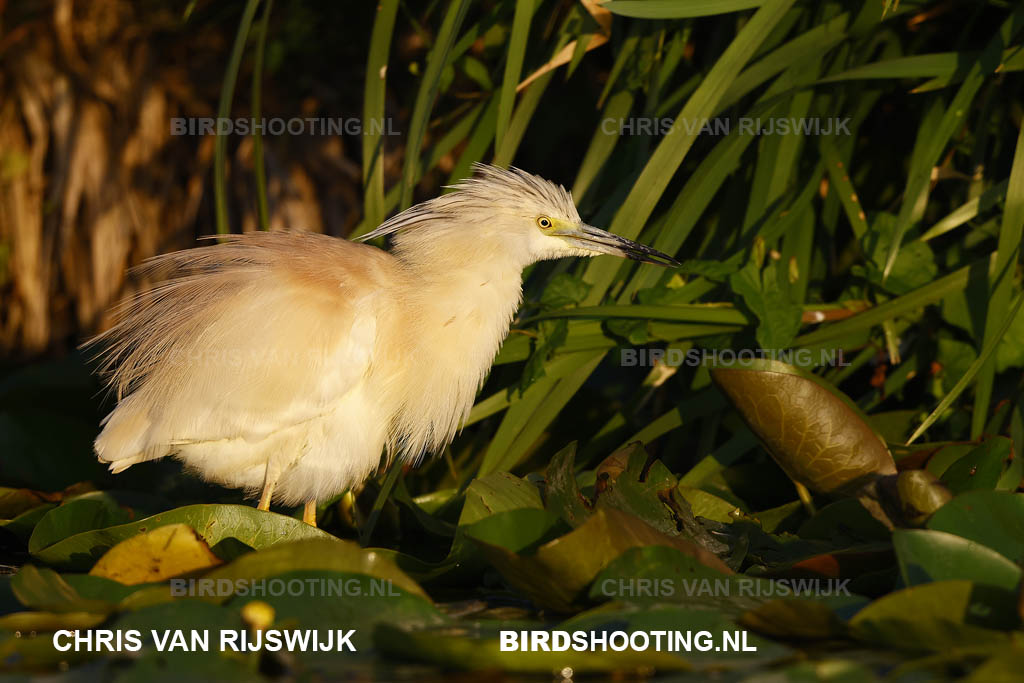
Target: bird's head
<point x="510" y="212"/>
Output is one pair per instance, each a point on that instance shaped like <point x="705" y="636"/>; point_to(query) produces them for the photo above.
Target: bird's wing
<point x="262" y="332"/>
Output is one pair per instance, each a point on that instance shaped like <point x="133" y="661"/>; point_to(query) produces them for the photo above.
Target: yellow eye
<point x="544" y="222"/>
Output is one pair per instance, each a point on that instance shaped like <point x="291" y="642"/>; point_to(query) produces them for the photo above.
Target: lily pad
<point x="925" y="555"/>
<point x="89" y="511"/>
<point x="817" y="436"/>
<point x="256" y="528"/>
<point x="560" y="570"/>
<point x="497" y="492"/>
<point x="992" y="518"/>
<point x="155" y="555"/>
<point x="920" y="495"/>
<point x="562" y="490"/>
<point x="938" y="616"/>
<point x="981" y="468"/>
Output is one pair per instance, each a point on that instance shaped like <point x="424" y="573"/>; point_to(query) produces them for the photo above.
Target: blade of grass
<point x="669" y="155"/>
<point x="722" y="314"/>
<point x="262" y="207"/>
<point x="374" y="91"/>
<point x="602" y="143"/>
<point x="812" y="43"/>
<point x="959" y="216"/>
<point x="842" y="186"/>
<point x="1007" y="250"/>
<point x="521" y="119"/>
<point x="513" y="66"/>
<point x="529" y="414"/>
<point x="915" y="196"/>
<point x="677" y="9"/>
<point x="227" y="92"/>
<point x="436" y="60"/>
<point x="922" y="296"/>
<point x="983" y="358"/>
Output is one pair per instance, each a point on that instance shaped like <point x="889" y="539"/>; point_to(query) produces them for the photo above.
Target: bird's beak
<point x="594" y="239"/>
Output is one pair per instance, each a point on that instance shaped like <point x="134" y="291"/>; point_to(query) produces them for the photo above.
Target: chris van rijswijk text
<point x="196" y="640"/>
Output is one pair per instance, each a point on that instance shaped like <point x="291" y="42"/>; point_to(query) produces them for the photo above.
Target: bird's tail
<point x="122" y="443"/>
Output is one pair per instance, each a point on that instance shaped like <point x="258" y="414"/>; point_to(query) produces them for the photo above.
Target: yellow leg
<point x="309" y="513"/>
<point x="269" y="481"/>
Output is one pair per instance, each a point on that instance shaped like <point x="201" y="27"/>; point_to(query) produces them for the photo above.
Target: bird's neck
<point x="458" y="314"/>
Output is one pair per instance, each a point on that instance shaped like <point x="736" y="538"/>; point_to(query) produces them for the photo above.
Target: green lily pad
<point x="45" y="589"/>
<point x="815" y="435"/>
<point x="925" y="555"/>
<point x="514" y="530"/>
<point x="562" y="490"/>
<point x="256" y="528"/>
<point x="14" y="502"/>
<point x="992" y="518"/>
<point x="497" y="492"/>
<point x="95" y="510"/>
<point x="50" y="621"/>
<point x="707" y="505"/>
<point x="920" y="495"/>
<point x="794" y="618"/>
<point x="23" y="525"/>
<point x="981" y="468"/>
<point x="560" y="570"/>
<point x="938" y="616"/>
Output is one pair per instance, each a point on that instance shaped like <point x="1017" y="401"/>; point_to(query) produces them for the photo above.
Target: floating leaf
<point x="920" y="495"/>
<point x="938" y="616"/>
<point x="497" y="492"/>
<point x="925" y="556"/>
<point x="557" y="574"/>
<point x="992" y="518"/>
<point x="256" y="528"/>
<point x="167" y="551"/>
<point x="981" y="467"/>
<point x="816" y="435"/>
<point x="89" y="511"/>
<point x="562" y="492"/>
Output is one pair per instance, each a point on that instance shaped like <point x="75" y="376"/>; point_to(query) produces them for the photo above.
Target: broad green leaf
<point x="677" y="9"/>
<point x="920" y="495"/>
<point x="937" y="616"/>
<point x="557" y="574"/>
<point x="497" y="492"/>
<point x="95" y="510"/>
<point x="170" y="550"/>
<point x="981" y="468"/>
<point x="992" y="518"/>
<point x="926" y="555"/>
<point x="214" y="523"/>
<point x="562" y="492"/>
<point x="766" y="294"/>
<point x="816" y="435"/>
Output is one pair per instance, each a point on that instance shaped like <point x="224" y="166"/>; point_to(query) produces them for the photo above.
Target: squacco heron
<point x="289" y="362"/>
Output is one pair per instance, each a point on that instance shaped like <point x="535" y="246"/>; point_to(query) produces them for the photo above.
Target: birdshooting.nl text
<point x="696" y="357"/>
<point x="294" y="125"/>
